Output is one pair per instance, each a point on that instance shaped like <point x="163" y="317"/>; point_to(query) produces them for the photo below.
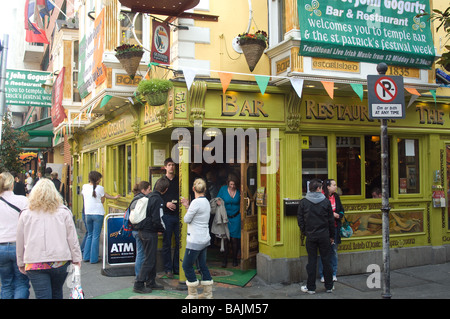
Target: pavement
<point x="422" y="282"/>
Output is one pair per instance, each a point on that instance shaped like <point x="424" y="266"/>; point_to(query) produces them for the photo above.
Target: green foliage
<point x="154" y="86"/>
<point x="11" y="146"/>
<point x="128" y="48"/>
<point x="443" y="20"/>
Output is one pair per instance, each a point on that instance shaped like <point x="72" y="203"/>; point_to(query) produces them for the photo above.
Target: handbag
<point x="346" y="229"/>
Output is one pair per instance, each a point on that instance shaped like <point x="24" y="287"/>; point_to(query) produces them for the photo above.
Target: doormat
<point x="128" y="293"/>
<point x="229" y="276"/>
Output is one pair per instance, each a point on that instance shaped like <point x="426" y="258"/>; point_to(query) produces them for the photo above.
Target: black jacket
<point x="340" y="211"/>
<point x="152" y="222"/>
<point x="315" y="216"/>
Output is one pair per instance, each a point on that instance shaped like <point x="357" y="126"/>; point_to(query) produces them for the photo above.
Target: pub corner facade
<point x="290" y="138"/>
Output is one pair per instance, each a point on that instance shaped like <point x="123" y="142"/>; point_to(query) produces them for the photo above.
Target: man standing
<point x="316" y="222"/>
<point x="149" y="229"/>
<point x="171" y="219"/>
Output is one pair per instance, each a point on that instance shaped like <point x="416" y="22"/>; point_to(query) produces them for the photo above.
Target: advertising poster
<point x="23" y="87"/>
<point x="120" y="250"/>
<point x="373" y="31"/>
<point x="57" y="112"/>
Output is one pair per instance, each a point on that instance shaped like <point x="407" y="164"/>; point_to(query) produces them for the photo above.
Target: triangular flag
<point x="262" y="81"/>
<point x="412" y="99"/>
<point x="105" y="100"/>
<point x="413" y="91"/>
<point x="297" y="84"/>
<point x="225" y="79"/>
<point x="358" y="88"/>
<point x="189" y="75"/>
<point x="433" y="92"/>
<point x="329" y="87"/>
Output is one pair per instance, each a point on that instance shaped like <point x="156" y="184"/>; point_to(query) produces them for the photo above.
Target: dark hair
<point x="168" y="160"/>
<point x="94" y="178"/>
<point x="138" y="188"/>
<point x="161" y="184"/>
<point x="327" y="183"/>
<point x="314" y="184"/>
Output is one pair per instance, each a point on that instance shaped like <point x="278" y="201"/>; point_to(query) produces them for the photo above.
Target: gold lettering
<point x="257" y="106"/>
<point x="246" y="107"/>
<point x="229" y="107"/>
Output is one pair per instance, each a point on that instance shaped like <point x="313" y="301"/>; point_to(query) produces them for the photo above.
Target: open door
<point x="249" y="216"/>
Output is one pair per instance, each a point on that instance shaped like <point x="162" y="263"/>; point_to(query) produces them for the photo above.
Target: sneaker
<point x="330" y="290"/>
<point x="334" y="278"/>
<point x="305" y="289"/>
<point x="322" y="279"/>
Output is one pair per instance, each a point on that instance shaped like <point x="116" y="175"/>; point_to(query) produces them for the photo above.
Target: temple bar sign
<point x="370" y="31"/>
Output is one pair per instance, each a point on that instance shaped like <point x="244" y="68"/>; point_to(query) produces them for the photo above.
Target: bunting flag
<point x="412" y="99"/>
<point x="225" y="79"/>
<point x="297" y="84"/>
<point x="33" y="23"/>
<point x="262" y="81"/>
<point x="433" y="92"/>
<point x="412" y="91"/>
<point x="358" y="88"/>
<point x="329" y="87"/>
<point x="105" y="100"/>
<point x="189" y="76"/>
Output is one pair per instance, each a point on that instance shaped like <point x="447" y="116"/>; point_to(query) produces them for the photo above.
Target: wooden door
<point x="249" y="216"/>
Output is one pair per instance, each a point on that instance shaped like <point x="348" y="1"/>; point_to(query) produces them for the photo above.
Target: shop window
<point x="372" y="146"/>
<point x="129" y="169"/>
<point x="408" y="166"/>
<point x="122" y="169"/>
<point x="348" y="160"/>
<point x="314" y="159"/>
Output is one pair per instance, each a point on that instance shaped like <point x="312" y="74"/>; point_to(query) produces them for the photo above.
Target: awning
<point x="40" y="132"/>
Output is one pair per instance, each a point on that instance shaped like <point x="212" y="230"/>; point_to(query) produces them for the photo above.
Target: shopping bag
<point x="346" y="229"/>
<point x="74" y="282"/>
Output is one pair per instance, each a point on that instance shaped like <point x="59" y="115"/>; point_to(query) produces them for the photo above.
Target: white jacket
<point x="197" y="218"/>
<point x="220" y="223"/>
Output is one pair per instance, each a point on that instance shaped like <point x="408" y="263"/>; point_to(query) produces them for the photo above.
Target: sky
<point x="7" y="16"/>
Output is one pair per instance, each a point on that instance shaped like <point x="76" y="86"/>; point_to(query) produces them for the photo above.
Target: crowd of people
<point x="38" y="238"/>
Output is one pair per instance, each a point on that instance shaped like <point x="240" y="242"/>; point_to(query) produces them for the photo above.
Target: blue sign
<point x="121" y="250"/>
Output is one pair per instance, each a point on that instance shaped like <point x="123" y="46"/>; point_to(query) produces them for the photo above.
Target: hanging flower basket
<point x="129" y="56"/>
<point x="156" y="99"/>
<point x="155" y="91"/>
<point x="253" y="46"/>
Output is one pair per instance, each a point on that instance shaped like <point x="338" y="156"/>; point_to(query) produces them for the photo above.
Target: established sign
<point x="386" y="97"/>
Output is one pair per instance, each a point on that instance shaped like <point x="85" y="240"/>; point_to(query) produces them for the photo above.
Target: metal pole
<point x="386" y="294"/>
<point x="3" y="82"/>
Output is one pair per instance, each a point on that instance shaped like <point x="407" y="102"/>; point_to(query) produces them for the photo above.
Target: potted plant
<point x="155" y="91"/>
<point x="253" y="46"/>
<point x="130" y="56"/>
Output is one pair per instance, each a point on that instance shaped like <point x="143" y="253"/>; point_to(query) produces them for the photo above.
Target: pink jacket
<point x="46" y="237"/>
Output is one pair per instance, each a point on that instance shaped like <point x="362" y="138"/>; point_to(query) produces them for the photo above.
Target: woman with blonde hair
<point x="198" y="239"/>
<point x="47" y="241"/>
<point x="15" y="285"/>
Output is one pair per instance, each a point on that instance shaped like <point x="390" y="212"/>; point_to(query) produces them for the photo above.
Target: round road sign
<point x="385" y="89"/>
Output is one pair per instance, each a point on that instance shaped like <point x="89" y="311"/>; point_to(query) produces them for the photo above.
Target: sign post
<point x="386" y="101"/>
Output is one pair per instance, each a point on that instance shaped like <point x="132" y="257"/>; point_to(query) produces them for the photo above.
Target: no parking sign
<point x="386" y="97"/>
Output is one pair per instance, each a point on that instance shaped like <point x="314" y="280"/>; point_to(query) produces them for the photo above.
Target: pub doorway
<point x="240" y="166"/>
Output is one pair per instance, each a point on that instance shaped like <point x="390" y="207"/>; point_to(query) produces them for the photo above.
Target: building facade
<point x="271" y="137"/>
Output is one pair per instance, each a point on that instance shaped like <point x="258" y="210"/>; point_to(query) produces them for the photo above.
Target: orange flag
<point x="225" y="79"/>
<point x="329" y="87"/>
<point x="412" y="91"/>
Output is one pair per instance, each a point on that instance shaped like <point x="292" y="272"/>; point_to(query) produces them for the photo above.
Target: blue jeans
<point x="140" y="254"/>
<point x="94" y="225"/>
<point x="48" y="283"/>
<point x="199" y="257"/>
<point x="15" y="285"/>
<point x="172" y="224"/>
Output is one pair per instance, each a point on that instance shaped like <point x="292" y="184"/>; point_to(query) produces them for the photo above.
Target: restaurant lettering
<point x="348" y="112"/>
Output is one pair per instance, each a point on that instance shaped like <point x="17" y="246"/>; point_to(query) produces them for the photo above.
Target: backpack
<point x="127" y="227"/>
<point x="139" y="212"/>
